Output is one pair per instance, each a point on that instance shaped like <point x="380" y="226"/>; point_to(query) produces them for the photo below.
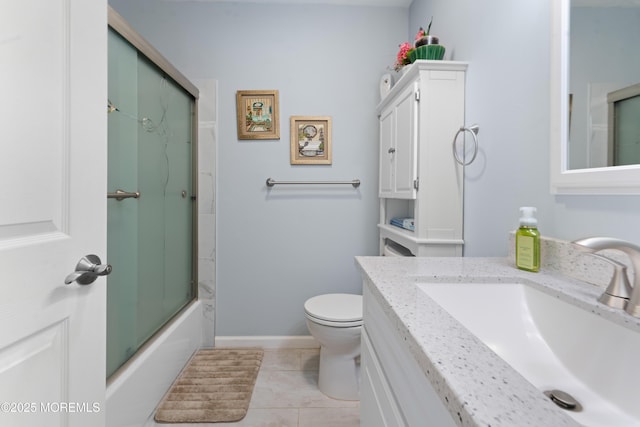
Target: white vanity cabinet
<point x="394" y="390"/>
<point x="419" y="177"/>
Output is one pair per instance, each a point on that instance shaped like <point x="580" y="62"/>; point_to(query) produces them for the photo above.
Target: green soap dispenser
<point x="528" y="241"/>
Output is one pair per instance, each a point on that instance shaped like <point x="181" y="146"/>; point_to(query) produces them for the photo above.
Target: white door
<point x="53" y="151"/>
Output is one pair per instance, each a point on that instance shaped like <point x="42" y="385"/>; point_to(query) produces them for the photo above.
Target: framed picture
<point x="310" y="140"/>
<point x="258" y="114"/>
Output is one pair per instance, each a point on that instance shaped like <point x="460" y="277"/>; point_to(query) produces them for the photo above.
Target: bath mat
<point x="215" y="386"/>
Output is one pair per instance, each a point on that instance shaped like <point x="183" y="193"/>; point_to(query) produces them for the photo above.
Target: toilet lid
<point x="335" y="307"/>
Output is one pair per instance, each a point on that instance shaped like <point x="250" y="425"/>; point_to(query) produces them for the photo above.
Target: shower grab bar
<point x="120" y="195"/>
<point x="271" y="182"/>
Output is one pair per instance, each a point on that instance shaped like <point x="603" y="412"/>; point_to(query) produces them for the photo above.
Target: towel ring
<point x="473" y="130"/>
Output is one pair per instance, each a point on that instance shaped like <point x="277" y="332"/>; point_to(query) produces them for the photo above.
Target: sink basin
<point x="554" y="344"/>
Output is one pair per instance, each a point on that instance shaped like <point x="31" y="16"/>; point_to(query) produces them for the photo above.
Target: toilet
<point x="335" y="321"/>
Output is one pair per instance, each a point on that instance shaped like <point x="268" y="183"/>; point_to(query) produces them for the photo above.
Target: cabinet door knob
<point x="391" y="150"/>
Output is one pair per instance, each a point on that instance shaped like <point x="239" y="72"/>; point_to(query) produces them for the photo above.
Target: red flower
<point x="402" y="58"/>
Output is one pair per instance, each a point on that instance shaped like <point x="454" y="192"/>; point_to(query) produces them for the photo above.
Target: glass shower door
<point x="150" y="237"/>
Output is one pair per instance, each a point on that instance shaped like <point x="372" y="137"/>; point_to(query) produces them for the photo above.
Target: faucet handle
<point x="619" y="290"/>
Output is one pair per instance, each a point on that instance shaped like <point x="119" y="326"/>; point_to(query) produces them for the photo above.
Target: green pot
<point x="430" y="51"/>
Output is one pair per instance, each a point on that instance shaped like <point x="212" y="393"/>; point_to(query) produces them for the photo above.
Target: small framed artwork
<point x="310" y="140"/>
<point x="258" y="115"/>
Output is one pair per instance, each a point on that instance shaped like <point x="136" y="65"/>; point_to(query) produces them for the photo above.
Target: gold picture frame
<point x="258" y="114"/>
<point x="310" y="140"/>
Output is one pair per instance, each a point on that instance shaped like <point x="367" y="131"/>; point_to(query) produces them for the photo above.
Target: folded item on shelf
<point x="406" y="223"/>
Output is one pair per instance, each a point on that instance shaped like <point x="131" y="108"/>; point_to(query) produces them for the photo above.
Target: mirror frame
<point x="604" y="180"/>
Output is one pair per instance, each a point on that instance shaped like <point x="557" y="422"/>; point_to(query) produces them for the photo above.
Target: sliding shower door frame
<point x="121" y="27"/>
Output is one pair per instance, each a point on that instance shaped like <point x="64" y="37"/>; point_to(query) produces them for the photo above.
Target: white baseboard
<point x="268" y="342"/>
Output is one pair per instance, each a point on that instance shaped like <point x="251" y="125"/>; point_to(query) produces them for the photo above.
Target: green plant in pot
<point x="427" y="46"/>
<point x="424" y="38"/>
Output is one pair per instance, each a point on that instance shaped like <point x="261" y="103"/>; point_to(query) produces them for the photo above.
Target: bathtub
<point x="134" y="392"/>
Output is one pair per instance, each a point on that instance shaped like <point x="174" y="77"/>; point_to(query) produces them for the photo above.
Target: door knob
<point x="87" y="271"/>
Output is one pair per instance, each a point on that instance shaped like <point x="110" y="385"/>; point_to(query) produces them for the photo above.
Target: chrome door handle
<point x="121" y="195"/>
<point x="87" y="271"/>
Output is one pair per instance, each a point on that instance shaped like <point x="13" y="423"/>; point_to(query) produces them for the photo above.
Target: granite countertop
<point x="475" y="384"/>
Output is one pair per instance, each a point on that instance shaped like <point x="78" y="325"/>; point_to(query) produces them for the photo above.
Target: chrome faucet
<point x="619" y="293"/>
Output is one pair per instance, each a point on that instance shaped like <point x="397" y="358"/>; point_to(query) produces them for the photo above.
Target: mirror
<point x="603" y="63"/>
<point x="584" y="147"/>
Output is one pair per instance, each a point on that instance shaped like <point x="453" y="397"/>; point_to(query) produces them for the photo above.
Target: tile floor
<point x="286" y="395"/>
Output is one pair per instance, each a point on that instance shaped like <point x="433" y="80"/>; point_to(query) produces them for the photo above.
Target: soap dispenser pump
<point x="528" y="241"/>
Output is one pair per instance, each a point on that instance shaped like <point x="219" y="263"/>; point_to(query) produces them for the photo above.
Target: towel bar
<point x="271" y="182"/>
<point x="473" y="130"/>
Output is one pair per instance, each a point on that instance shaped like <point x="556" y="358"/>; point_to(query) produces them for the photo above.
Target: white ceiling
<point x="605" y="3"/>
<point x="392" y="3"/>
<point x="407" y="3"/>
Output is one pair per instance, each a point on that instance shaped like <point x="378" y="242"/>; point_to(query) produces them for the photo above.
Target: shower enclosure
<point x="151" y="189"/>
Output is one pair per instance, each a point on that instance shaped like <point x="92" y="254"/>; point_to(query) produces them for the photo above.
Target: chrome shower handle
<point x="121" y="195"/>
<point x="87" y="270"/>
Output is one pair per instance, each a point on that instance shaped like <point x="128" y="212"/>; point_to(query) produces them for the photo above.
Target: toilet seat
<point x="335" y="310"/>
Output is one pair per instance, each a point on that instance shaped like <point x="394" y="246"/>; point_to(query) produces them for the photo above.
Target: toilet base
<point x="339" y="375"/>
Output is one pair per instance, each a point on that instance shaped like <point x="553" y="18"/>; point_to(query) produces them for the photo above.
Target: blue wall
<point x="276" y="248"/>
<point x="507" y="45"/>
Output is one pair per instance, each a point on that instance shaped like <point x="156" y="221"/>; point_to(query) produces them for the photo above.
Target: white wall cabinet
<point x="419" y="177"/>
<point x="394" y="391"/>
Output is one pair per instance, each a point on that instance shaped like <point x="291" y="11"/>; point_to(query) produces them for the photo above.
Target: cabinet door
<point x="394" y="382"/>
<point x="405" y="167"/>
<point x="398" y="146"/>
<point x="387" y="146"/>
<point x="377" y="404"/>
